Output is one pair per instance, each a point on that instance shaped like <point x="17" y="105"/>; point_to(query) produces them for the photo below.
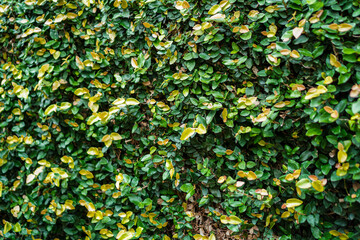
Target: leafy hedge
<point x="196" y="119"/>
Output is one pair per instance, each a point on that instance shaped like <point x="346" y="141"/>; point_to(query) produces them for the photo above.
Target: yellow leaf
<point x="234" y="220"/>
<point x="132" y="101"/>
<point x="86" y="2"/>
<point x="212" y="237"/>
<point x="30" y="2"/>
<point x="134" y="63"/>
<point x="334" y="62"/>
<point x="317" y="185"/>
<point x="224" y="115"/>
<point x="251" y="175"/>
<point x="50" y="109"/>
<point x="29" y="178"/>
<point x="294" y="54"/>
<point x="201" y="129"/>
<point x="117" y="3"/>
<point x="147" y="25"/>
<point x="80" y="64"/>
<point x="293" y="202"/>
<point x="297" y="32"/>
<point x="71" y="15"/>
<point x="285" y="52"/>
<point x="303" y="183"/>
<point x="7" y="227"/>
<point x="17" y="227"/>
<point x="124" y="235"/>
<point x="199" y="237"/>
<point x="42" y="70"/>
<point x="342" y="156"/>
<point x="93" y="151"/>
<point x="124" y="4"/>
<point x="214" y="9"/>
<point x="115" y="136"/>
<point x="188" y="132"/>
<point x="218" y="16"/>
<point x="229" y="151"/>
<point x="285" y="214"/>
<point x="344" y="27"/>
<point x="244" y="29"/>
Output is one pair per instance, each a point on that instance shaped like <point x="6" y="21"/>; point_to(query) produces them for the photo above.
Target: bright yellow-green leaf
<point x="251" y="175"/>
<point x="234" y="220"/>
<point x="188" y="132"/>
<point x="317" y="185"/>
<point x="334" y="62"/>
<point x="214" y="9"/>
<point x="115" y="136"/>
<point x="199" y="237"/>
<point x="342" y="156"/>
<point x="224" y="115"/>
<point x="93" y="151"/>
<point x="201" y="129"/>
<point x="303" y="183"/>
<point x="293" y="202"/>
<point x="212" y="237"/>
<point x="285" y="214"/>
<point x="50" y="109"/>
<point x="132" y="101"/>
<point x="43" y="70"/>
<point x="7" y="227"/>
<point x="124" y="235"/>
<point x="17" y="227"/>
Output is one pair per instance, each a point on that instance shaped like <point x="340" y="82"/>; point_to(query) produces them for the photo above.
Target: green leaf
<point x="187" y="187"/>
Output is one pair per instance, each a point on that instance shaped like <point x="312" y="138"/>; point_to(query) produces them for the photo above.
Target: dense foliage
<point x="144" y="119"/>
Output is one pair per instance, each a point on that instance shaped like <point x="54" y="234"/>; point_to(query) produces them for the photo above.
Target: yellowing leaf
<point x="134" y="63"/>
<point x="7" y="227"/>
<point x="30" y="178"/>
<point x="93" y="151"/>
<point x="201" y="129"/>
<point x="212" y="237"/>
<point x="251" y="175"/>
<point x="294" y="54"/>
<point x="147" y="25"/>
<point x="342" y="156"/>
<point x="285" y="214"/>
<point x="303" y="183"/>
<point x="234" y="220"/>
<point x="42" y="70"/>
<point x="317" y="185"/>
<point x="293" y="202"/>
<point x="214" y="9"/>
<point x="297" y="32"/>
<point x="188" y="132"/>
<point x="224" y="115"/>
<point x="124" y="235"/>
<point x="334" y="62"/>
<point x="218" y="16"/>
<point x="285" y="52"/>
<point x="115" y="136"/>
<point x="50" y="109"/>
<point x="344" y="27"/>
<point x="132" y="101"/>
